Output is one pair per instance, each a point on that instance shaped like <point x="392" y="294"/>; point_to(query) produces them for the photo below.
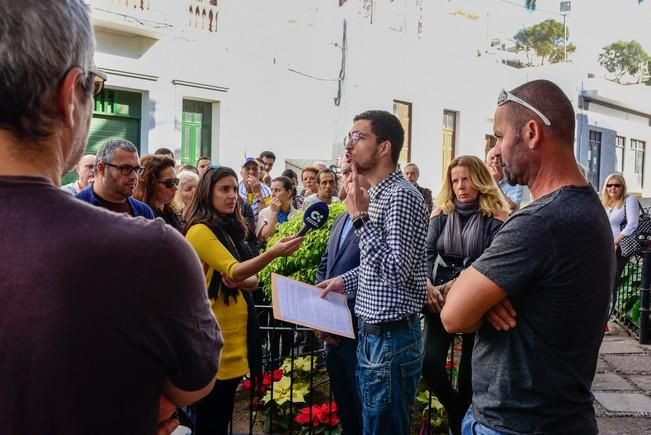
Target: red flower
<point x="273" y="376"/>
<point x="303" y="417"/>
<point x="328" y="414"/>
<point x="246" y="385"/>
<point x="325" y="413"/>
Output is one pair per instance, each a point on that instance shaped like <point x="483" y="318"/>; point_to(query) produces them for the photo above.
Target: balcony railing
<point x="153" y="18"/>
<point x="202" y="15"/>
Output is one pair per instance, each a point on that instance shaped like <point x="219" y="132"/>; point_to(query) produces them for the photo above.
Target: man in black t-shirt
<point x="104" y="321"/>
<point x="538" y="296"/>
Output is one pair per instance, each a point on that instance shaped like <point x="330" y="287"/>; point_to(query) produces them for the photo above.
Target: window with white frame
<point x="620" y="143"/>
<point x="402" y="110"/>
<point x="638" y="149"/>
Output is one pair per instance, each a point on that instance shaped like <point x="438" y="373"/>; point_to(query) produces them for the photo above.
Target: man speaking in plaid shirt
<point x="390" y="221"/>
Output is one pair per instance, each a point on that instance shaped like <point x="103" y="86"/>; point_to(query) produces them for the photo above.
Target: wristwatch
<point x="359" y="219"/>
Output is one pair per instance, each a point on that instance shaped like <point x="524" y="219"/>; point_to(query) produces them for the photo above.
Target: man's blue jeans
<point x="470" y="426"/>
<point x="388" y="368"/>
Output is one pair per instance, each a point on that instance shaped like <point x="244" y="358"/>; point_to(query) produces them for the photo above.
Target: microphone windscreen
<point x="315" y="216"/>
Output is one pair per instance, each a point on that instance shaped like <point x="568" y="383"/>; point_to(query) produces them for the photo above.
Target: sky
<point x="593" y="24"/>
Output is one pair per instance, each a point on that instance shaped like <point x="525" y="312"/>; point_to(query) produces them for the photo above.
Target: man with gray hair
<point x="412" y="173"/>
<point x="116" y="175"/>
<point x="106" y="326"/>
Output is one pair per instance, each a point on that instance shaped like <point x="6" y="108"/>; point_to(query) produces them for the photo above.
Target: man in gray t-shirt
<point x="539" y="295"/>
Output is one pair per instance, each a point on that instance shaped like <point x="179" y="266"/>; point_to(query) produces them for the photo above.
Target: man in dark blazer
<point x="342" y="255"/>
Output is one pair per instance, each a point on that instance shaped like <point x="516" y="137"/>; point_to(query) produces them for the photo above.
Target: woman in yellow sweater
<point x="217" y="231"/>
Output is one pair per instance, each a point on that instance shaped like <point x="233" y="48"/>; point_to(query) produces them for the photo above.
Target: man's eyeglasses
<point x="126" y="170"/>
<point x="506" y="96"/>
<point x="169" y="183"/>
<point x="613" y="185"/>
<point x="97" y="80"/>
<point x="354" y="137"/>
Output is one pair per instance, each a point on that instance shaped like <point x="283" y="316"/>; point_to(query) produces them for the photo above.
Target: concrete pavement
<point x="622" y="385"/>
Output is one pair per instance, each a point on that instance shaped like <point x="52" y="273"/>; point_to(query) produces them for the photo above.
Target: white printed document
<point x="296" y="302"/>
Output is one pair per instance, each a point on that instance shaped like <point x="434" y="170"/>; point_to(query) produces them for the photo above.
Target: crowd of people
<point x="129" y="292"/>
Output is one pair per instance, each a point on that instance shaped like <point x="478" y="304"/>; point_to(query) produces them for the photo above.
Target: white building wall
<point x="270" y="73"/>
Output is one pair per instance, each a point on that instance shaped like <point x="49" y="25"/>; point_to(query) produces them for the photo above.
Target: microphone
<point x="314" y="217"/>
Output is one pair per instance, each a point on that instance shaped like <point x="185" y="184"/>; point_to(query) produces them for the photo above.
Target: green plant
<point x="277" y="400"/>
<point x="628" y="290"/>
<point x="434" y="417"/>
<point x="303" y="264"/>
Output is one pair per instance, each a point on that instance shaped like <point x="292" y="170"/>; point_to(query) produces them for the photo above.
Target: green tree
<point x="531" y="4"/>
<point x="546" y="40"/>
<point x="623" y="58"/>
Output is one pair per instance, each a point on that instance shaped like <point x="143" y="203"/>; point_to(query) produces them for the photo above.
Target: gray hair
<point x="40" y="41"/>
<point x="185" y="176"/>
<point x="415" y="167"/>
<point x="108" y="148"/>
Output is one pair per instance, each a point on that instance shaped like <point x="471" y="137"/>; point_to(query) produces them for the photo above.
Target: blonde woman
<point x="188" y="182"/>
<point x="621" y="209"/>
<point x="470" y="210"/>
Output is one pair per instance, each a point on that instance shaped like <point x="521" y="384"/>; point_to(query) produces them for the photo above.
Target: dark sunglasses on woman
<point x="169" y="183"/>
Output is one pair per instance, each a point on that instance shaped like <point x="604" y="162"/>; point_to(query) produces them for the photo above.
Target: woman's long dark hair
<point x="201" y="210"/>
<point x="148" y="181"/>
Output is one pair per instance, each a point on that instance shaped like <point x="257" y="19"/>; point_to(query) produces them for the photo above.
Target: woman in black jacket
<point x="470" y="210"/>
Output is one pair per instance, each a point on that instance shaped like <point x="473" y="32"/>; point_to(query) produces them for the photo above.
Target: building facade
<point x="231" y="78"/>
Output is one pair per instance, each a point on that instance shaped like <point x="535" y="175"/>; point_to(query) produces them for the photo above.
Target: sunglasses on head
<point x="506" y="96"/>
<point x="169" y="183"/>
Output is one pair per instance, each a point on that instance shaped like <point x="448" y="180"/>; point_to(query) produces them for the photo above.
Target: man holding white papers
<point x="390" y="220"/>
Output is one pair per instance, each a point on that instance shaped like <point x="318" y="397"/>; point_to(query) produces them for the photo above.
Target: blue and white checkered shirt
<point x="391" y="277"/>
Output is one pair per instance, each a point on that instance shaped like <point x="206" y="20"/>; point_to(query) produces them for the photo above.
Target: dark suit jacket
<point x="336" y="261"/>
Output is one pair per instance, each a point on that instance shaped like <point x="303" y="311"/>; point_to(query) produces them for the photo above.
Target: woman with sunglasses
<point x="470" y="210"/>
<point x="280" y="209"/>
<point x="623" y="213"/>
<point x="217" y="231"/>
<point x="157" y="187"/>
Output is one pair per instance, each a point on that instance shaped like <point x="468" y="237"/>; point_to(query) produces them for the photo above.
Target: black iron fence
<point x="295" y="397"/>
<point x="627" y="304"/>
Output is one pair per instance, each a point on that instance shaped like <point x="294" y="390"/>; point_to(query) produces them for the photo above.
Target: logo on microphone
<point x="315" y="218"/>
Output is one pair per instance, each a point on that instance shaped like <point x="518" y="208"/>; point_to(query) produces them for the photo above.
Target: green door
<point x="116" y="116"/>
<point x="196" y="131"/>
